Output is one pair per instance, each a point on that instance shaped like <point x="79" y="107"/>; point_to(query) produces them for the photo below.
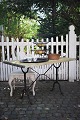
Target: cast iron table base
<point x="27" y="89"/>
<point x="56" y="81"/>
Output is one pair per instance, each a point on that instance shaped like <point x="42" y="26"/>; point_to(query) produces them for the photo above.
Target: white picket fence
<point x="68" y="44"/>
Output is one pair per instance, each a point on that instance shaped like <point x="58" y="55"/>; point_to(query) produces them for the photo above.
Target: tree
<point x="57" y="14"/>
<point x="28" y="28"/>
<point x="70" y="12"/>
<point x="12" y="21"/>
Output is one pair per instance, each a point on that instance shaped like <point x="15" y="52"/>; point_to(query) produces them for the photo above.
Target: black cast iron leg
<point x="60" y="88"/>
<point x="25" y="90"/>
<point x="56" y="82"/>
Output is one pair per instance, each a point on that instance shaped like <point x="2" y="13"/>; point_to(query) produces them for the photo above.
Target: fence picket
<point x="65" y="44"/>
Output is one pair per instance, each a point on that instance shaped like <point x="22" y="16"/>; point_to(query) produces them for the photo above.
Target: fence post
<point x="72" y="53"/>
<point x="79" y="57"/>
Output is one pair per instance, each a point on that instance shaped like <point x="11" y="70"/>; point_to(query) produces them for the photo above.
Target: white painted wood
<point x="72" y="53"/>
<point x="57" y="51"/>
<point x="70" y="44"/>
<point x="79" y="57"/>
<point x="17" y="77"/>
<point x="13" y="50"/>
<point x="52" y="51"/>
<point x="33" y="52"/>
<point x="66" y="64"/>
<point x="3" y="58"/>
<point x="47" y="46"/>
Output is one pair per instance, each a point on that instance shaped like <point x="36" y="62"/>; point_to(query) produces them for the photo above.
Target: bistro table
<point x="30" y="65"/>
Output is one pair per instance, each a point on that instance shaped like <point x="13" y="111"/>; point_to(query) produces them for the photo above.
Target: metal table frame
<point x="56" y="81"/>
<point x="30" y="65"/>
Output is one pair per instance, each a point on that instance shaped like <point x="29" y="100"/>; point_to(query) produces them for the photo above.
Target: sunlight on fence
<point x="67" y="46"/>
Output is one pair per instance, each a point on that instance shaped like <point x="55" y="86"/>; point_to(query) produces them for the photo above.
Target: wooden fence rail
<point x="67" y="45"/>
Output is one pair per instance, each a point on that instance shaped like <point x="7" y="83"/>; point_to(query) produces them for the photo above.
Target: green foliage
<point x="28" y="28"/>
<point x="56" y="18"/>
<point x="15" y="25"/>
<point x="59" y="14"/>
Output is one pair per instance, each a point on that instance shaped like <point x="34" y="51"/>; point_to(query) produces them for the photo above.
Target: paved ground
<point x="47" y="105"/>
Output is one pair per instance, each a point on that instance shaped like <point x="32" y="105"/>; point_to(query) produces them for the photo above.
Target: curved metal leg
<point x="60" y="88"/>
<point x="53" y="86"/>
<point x="56" y="82"/>
<point x="25" y="90"/>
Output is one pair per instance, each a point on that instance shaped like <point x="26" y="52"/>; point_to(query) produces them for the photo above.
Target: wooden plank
<point x="72" y="53"/>
<point x="63" y="74"/>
